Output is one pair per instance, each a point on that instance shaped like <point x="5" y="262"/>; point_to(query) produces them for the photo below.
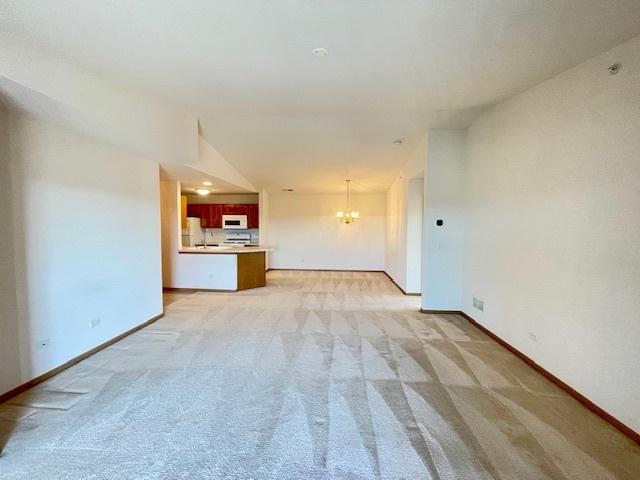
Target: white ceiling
<point x="285" y="118"/>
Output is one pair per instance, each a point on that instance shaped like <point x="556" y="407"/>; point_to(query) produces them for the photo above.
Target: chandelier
<point x="347" y="216"/>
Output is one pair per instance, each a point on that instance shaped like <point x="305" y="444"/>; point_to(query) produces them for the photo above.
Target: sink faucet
<point x="205" y="237"/>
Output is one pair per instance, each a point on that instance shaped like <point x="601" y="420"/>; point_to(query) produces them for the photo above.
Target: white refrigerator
<point x="193" y="234"/>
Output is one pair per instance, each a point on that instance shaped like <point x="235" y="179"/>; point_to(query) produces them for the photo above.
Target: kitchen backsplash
<point x="217" y="235"/>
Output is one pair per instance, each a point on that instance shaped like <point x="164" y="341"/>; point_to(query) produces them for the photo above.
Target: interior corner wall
<point x="415" y="214"/>
<point x="553" y="227"/>
<point x="264" y="204"/>
<point x="397" y="210"/>
<point x="305" y="233"/>
<point x="444" y="199"/>
<point x="170" y="229"/>
<point x="396" y="233"/>
<point x="79" y="248"/>
<point x="10" y="372"/>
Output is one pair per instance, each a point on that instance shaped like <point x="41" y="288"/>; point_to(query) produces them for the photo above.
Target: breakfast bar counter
<point x="225" y="249"/>
<point x="220" y="268"/>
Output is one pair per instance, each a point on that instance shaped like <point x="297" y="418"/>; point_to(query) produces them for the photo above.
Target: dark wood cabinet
<point x="216" y="216"/>
<point x="253" y="216"/>
<point x="205" y="216"/>
<point x="194" y="210"/>
<point x="210" y="214"/>
<point x="235" y="209"/>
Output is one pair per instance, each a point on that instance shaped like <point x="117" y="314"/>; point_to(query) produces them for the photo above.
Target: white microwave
<point x="239" y="222"/>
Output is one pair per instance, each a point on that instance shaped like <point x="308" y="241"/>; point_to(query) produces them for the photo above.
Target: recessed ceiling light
<point x="203" y="191"/>
<point x="398" y="141"/>
<point x="320" y="52"/>
<point x="208" y="184"/>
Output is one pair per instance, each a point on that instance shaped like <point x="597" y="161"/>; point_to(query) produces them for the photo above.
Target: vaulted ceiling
<point x="288" y="119"/>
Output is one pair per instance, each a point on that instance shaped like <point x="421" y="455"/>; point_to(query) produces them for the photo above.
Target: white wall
<point x="306" y="234"/>
<point x="553" y="227"/>
<point x="83" y="221"/>
<point x="53" y="87"/>
<point x="212" y="163"/>
<point x="10" y="373"/>
<point x="265" y="204"/>
<point x="205" y="271"/>
<point x="395" y="263"/>
<point x="415" y="214"/>
<point x="443" y="247"/>
<point x="396" y="256"/>
<point x="171" y="239"/>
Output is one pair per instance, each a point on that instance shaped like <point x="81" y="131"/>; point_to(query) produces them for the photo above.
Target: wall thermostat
<point x="439" y="222"/>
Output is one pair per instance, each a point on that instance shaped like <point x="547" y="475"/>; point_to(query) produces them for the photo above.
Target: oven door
<point x="238" y="222"/>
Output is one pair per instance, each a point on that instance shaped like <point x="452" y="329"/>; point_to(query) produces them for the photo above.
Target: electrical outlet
<point x="533" y="336"/>
<point x="44" y="343"/>
<point x="95" y="322"/>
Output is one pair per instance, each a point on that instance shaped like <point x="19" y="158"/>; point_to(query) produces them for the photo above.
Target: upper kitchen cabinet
<point x="235" y="209"/>
<point x="253" y="216"/>
<point x="194" y="210"/>
<point x="211" y="216"/>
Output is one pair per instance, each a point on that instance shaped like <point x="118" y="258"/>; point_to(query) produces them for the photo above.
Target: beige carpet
<point x="317" y="376"/>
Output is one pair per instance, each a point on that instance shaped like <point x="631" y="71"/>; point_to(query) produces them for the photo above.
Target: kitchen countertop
<point x="227" y="249"/>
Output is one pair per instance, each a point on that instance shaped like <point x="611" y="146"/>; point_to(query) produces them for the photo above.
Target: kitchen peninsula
<point x="202" y="251"/>
<point x="221" y="268"/>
